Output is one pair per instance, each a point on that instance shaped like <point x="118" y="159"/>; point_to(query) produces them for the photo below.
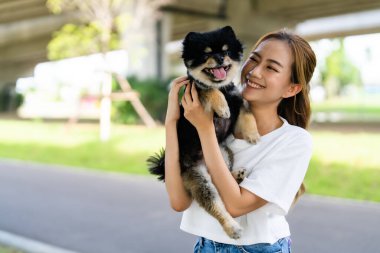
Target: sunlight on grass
<point x="360" y="149"/>
<point x="80" y="146"/>
<point x="343" y="164"/>
<point x="365" y="108"/>
<point x="6" y="249"/>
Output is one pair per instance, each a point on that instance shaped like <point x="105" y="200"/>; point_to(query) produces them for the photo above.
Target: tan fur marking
<point x="225" y="47"/>
<point x="210" y="63"/>
<point x="300" y="192"/>
<point x="208" y="50"/>
<point x="217" y="102"/>
<point x="246" y="126"/>
<point x="198" y="183"/>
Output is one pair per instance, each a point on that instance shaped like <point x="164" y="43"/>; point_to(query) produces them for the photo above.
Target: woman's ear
<point x="293" y="90"/>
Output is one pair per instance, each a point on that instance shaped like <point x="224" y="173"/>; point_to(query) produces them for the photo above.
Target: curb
<point x="29" y="245"/>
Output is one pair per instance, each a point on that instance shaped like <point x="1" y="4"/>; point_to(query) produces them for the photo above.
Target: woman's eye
<point x="253" y="59"/>
<point x="271" y="68"/>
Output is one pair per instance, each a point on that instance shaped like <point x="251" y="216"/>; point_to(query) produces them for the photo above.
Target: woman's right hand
<point x="172" y="112"/>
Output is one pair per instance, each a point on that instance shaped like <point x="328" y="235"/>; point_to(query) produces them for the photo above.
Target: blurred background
<point x="84" y="83"/>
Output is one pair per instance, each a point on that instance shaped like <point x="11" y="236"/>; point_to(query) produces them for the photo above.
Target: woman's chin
<point x="249" y="94"/>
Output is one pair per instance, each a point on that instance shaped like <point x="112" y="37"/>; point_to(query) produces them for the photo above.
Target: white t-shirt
<point x="279" y="161"/>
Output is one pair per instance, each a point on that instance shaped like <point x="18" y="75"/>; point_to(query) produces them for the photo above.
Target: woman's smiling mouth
<point x="254" y="85"/>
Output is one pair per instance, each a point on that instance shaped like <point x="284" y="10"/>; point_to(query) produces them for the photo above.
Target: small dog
<point x="212" y="60"/>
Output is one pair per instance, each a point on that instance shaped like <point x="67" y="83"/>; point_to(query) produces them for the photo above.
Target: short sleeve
<point x="278" y="176"/>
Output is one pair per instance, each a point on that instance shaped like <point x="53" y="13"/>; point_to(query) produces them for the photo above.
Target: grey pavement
<point x="95" y="212"/>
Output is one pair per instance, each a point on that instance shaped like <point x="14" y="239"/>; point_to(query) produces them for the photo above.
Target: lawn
<point x="56" y="143"/>
<point x="5" y="249"/>
<point x="343" y="164"/>
<point x="351" y="109"/>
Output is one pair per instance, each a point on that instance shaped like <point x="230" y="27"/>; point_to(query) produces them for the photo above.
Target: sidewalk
<point x="92" y="212"/>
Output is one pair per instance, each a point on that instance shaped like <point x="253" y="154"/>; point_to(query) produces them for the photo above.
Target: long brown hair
<point x="296" y="110"/>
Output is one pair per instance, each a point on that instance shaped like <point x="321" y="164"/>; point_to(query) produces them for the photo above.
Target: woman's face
<point x="266" y="73"/>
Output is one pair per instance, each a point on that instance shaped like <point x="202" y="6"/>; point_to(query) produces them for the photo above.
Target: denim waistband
<point x="203" y="240"/>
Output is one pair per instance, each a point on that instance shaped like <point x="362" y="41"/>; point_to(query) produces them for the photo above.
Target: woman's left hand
<point x="194" y="111"/>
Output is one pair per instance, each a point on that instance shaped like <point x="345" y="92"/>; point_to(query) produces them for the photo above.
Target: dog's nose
<point x="219" y="59"/>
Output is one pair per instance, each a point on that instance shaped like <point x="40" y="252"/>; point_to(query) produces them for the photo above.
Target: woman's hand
<point x="194" y="111"/>
<point x="172" y="112"/>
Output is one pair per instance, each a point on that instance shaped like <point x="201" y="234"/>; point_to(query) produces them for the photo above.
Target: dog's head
<point x="212" y="58"/>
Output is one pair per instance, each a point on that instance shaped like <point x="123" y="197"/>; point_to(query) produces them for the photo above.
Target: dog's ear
<point x="229" y="31"/>
<point x="190" y="36"/>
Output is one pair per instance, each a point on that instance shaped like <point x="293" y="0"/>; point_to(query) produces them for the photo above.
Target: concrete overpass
<point x="26" y="25"/>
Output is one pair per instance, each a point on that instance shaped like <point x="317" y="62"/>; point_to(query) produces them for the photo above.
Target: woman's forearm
<point x="217" y="167"/>
<point x="179" y="198"/>
<point x="238" y="201"/>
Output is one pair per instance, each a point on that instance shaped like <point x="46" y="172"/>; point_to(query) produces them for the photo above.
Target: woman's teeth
<point x="254" y="85"/>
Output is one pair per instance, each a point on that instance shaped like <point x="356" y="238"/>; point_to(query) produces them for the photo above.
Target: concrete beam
<point x="339" y="26"/>
<point x="28" y="29"/>
<point x="300" y="10"/>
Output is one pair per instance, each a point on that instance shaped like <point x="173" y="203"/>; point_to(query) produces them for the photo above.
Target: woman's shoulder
<point x="296" y="133"/>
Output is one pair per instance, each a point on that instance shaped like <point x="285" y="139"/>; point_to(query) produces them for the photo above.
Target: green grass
<point x="362" y="108"/>
<point x="5" y="249"/>
<point x="343" y="164"/>
<point x="54" y="143"/>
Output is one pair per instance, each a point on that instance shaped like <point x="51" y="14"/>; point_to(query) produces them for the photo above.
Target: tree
<point x="339" y="71"/>
<point x="102" y="24"/>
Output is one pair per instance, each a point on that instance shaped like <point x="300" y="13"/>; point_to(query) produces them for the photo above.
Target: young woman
<point x="275" y="80"/>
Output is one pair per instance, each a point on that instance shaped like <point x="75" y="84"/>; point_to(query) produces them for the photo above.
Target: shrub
<point x="153" y="95"/>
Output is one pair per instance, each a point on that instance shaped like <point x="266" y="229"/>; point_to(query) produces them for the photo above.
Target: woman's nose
<point x="255" y="72"/>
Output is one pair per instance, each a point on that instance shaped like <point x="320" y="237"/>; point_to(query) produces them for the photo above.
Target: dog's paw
<point x="239" y="174"/>
<point x="233" y="229"/>
<point x="224" y="112"/>
<point x="252" y="137"/>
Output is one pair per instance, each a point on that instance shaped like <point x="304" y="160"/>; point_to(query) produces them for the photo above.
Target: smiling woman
<point x="275" y="81"/>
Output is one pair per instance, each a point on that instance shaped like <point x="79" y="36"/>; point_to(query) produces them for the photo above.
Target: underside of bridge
<point x="26" y="25"/>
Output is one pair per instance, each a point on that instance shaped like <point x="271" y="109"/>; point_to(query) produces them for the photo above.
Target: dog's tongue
<point x="220" y="73"/>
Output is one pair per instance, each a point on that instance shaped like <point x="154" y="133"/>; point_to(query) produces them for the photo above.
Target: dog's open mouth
<point x="217" y="73"/>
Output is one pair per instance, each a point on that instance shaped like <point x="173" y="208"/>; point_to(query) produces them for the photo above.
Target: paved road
<point x="92" y="212"/>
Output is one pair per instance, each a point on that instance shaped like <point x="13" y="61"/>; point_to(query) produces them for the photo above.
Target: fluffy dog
<point x="212" y="60"/>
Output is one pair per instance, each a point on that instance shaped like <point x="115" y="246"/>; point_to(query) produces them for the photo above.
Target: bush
<point x="9" y="99"/>
<point x="153" y="95"/>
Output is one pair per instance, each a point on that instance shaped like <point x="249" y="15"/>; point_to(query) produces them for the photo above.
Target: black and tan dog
<point x="212" y="60"/>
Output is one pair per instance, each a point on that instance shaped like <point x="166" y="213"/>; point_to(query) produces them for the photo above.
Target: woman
<point x="275" y="80"/>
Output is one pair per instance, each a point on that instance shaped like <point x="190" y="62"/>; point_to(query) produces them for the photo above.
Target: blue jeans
<point x="204" y="245"/>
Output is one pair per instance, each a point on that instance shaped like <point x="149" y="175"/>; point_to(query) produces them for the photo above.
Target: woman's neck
<point x="267" y="119"/>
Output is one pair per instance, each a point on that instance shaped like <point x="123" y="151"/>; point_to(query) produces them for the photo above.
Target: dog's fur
<point x="212" y="60"/>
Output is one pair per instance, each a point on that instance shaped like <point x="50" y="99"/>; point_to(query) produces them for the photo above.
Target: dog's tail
<point x="156" y="164"/>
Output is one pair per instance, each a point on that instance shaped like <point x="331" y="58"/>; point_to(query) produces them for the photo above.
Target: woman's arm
<point x="237" y="200"/>
<point x="179" y="198"/>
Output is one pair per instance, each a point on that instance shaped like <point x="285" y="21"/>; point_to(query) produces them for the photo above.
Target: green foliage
<point x="77" y="40"/>
<point x="153" y="95"/>
<point x="54" y="6"/>
<point x="339" y="71"/>
<point x="9" y="99"/>
<point x="100" y="29"/>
